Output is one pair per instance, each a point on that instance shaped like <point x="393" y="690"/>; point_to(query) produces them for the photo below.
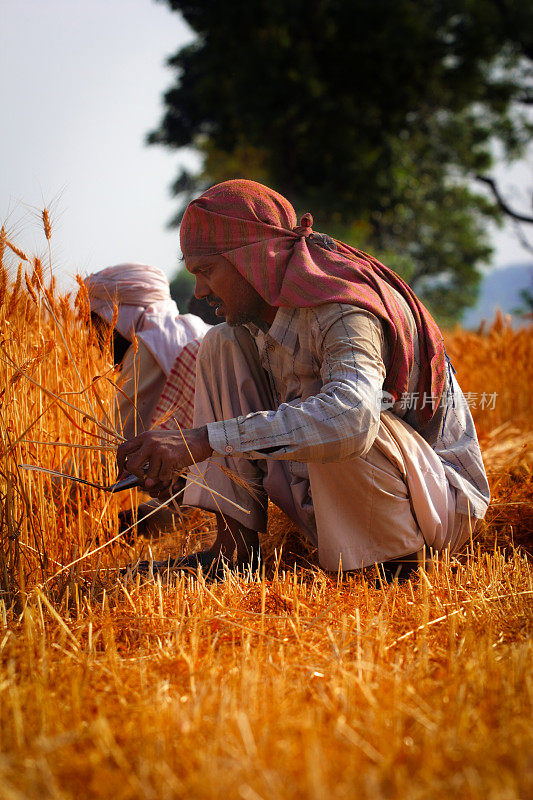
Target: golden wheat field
<point x="290" y="684"/>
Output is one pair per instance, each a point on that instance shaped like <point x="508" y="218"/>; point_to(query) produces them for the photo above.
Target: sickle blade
<point x="126" y="483"/>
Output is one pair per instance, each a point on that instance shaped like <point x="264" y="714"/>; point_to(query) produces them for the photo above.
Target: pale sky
<point x="81" y="85"/>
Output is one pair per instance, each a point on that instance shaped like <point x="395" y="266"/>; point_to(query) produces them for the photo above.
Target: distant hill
<point x="500" y="289"/>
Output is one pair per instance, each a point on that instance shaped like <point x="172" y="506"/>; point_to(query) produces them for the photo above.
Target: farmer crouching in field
<point x="157" y="375"/>
<point x="135" y="299"/>
<point x="327" y="391"/>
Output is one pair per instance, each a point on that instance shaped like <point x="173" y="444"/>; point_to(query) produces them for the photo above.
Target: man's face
<point x="224" y="288"/>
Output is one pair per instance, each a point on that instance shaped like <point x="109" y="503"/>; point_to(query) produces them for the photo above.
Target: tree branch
<point x="522" y="239"/>
<point x="502" y="203"/>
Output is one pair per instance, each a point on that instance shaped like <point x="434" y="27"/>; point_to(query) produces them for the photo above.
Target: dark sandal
<point x="212" y="566"/>
<point x="251" y="563"/>
<point x="398" y="569"/>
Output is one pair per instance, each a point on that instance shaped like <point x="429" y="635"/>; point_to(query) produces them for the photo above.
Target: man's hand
<point x="165" y="452"/>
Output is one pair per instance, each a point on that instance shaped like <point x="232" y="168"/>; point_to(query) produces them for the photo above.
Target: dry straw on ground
<point x="294" y="684"/>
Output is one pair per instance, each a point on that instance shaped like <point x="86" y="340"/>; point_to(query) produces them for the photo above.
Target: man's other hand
<point x="158" y="456"/>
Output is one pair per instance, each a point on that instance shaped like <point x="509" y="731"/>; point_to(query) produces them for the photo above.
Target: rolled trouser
<point x="384" y="505"/>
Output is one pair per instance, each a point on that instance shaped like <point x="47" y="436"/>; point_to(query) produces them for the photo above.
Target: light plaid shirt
<point x="326" y="366"/>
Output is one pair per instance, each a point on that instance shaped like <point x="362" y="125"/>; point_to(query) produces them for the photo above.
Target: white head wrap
<point x="142" y="296"/>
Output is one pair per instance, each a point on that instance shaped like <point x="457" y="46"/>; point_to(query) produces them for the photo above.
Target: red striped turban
<point x="256" y="230"/>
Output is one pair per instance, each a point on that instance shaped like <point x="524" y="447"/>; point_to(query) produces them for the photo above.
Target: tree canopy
<point x="376" y="117"/>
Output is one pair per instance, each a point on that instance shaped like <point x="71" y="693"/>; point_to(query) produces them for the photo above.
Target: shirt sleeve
<point x="338" y="423"/>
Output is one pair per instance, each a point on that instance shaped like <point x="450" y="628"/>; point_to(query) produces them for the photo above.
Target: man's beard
<point x="244" y="318"/>
<point x="251" y="314"/>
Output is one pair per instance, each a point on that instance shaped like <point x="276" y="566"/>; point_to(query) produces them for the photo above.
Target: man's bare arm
<point x="165" y="452"/>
